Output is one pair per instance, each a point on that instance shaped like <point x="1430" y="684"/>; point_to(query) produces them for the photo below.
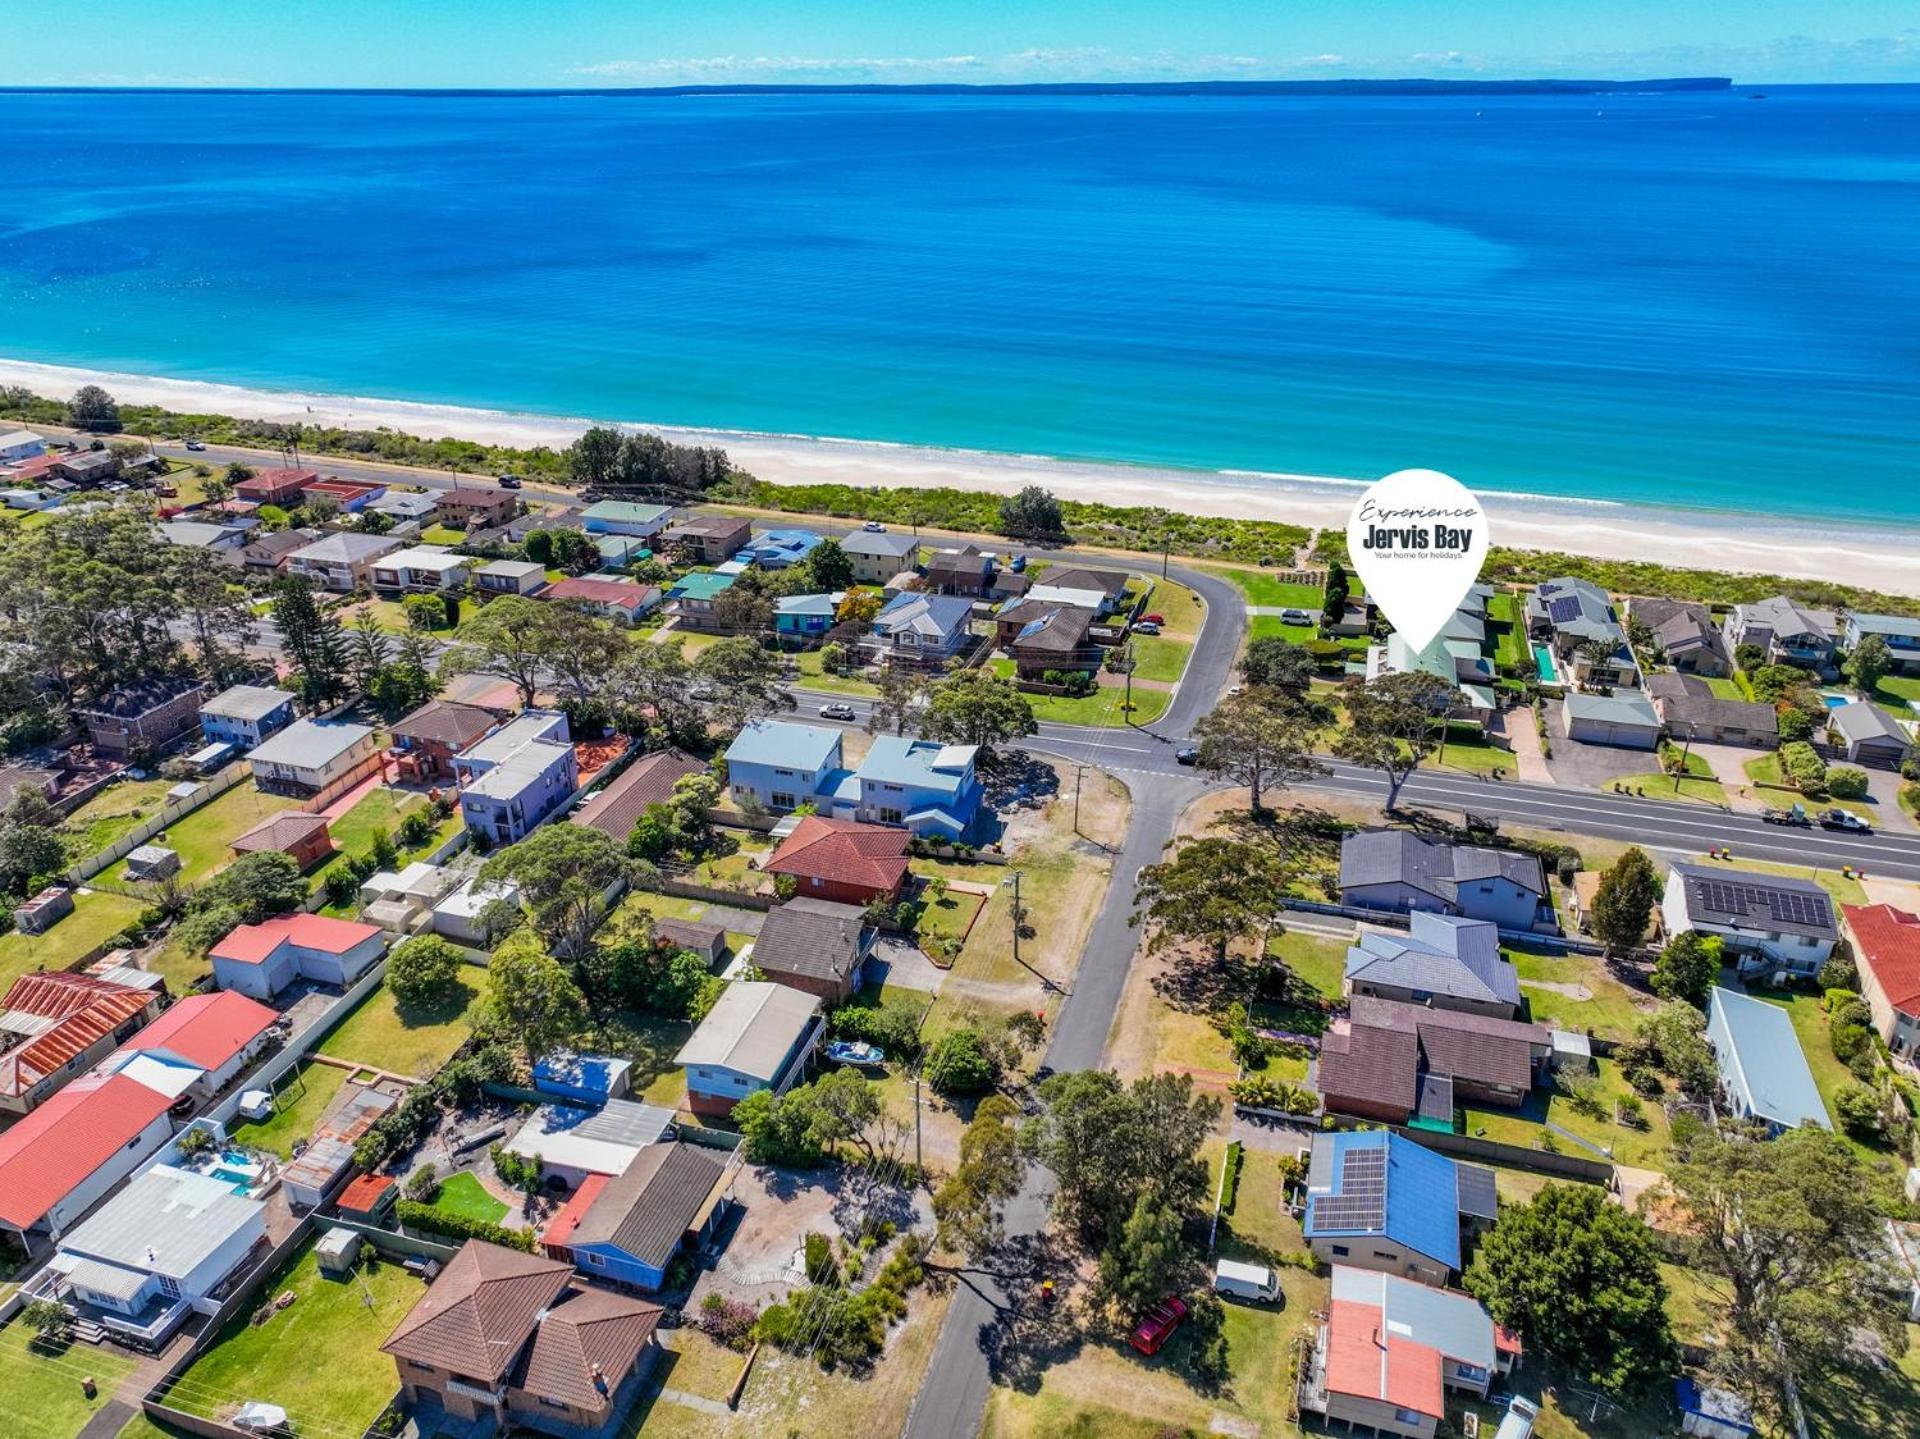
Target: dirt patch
<point x="1570" y="990"/>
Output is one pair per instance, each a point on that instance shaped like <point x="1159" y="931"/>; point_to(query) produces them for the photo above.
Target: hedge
<point x="414" y="1215"/>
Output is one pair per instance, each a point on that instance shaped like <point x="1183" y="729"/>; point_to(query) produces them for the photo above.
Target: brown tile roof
<point x="648" y="780"/>
<point x="1109" y="582"/>
<point x="448" y="723"/>
<point x="713" y="527"/>
<point x="647" y="1209"/>
<point x="812" y="937"/>
<point x="280" y="832"/>
<point x="1473" y="1047"/>
<point x="480" y="1312"/>
<point x="585" y="1347"/>
<point x="1059" y="629"/>
<point x="843" y="851"/>
<point x="1381" y="1066"/>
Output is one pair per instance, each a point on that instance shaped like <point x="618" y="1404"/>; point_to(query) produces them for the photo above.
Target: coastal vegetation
<point x="1719" y="587"/>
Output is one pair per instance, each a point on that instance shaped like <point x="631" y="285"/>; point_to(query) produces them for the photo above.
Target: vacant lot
<point x="111" y="813"/>
<point x="96" y="918"/>
<point x="413" y="1042"/>
<point x="202" y="839"/>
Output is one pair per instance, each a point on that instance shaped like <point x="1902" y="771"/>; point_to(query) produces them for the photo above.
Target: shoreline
<point x="1882" y="559"/>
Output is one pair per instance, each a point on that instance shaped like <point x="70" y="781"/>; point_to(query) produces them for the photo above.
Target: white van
<point x="1518" y="1423"/>
<point x="1245" y="1281"/>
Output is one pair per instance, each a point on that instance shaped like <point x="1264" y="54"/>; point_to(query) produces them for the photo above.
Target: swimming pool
<point x="1543" y="661"/>
<point x="1833" y="701"/>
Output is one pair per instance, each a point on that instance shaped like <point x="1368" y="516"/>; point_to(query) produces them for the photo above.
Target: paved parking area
<point x="1592" y="766"/>
<point x="901" y="962"/>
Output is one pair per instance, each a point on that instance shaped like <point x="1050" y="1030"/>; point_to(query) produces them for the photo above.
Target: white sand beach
<point x="1885" y="559"/>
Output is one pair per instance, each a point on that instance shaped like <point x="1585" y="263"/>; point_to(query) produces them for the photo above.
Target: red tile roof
<point x="253" y="943"/>
<point x="1887" y="941"/>
<point x="45" y="1156"/>
<point x="843" y="851"/>
<point x="602" y="592"/>
<point x="86" y="1011"/>
<point x="559" y="1230"/>
<point x="207" y="1029"/>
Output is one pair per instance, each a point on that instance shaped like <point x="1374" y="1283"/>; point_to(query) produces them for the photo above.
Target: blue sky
<point x="661" y="42"/>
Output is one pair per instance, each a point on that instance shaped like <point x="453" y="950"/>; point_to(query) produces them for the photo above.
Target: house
<point x="460" y="917"/>
<point x="1763" y="1071"/>
<point x="343" y="561"/>
<point x="806" y="618"/>
<point x="779" y="549"/>
<point x="1444" y="961"/>
<point x="627" y="1229"/>
<point x="510" y="577"/>
<point x="1886" y="947"/>
<point x="709" y="941"/>
<point x="623" y="600"/>
<point x="280" y="487"/>
<point x="1573" y="615"/>
<point x="620" y="552"/>
<point x="690" y="599"/>
<point x="1389" y="1349"/>
<point x="1625" y="719"/>
<point x="268" y="553"/>
<point x="779" y="766"/>
<point x="1015" y="615"/>
<point x="1869" y="734"/>
<point x="427" y="740"/>
<point x="304" y="837"/>
<point x="585" y="1079"/>
<point x="1684" y="635"/>
<point x="87" y="469"/>
<point x="203" y="535"/>
<point x="1395" y="869"/>
<point x="260" y="960"/>
<point x="1769" y="924"/>
<point x="1690" y="710"/>
<point x="404" y="506"/>
<point x="394" y="899"/>
<point x="19" y="498"/>
<point x="311" y="755"/>
<point x="245" y="714"/>
<point x="843" y="860"/>
<point x="1789" y="632"/>
<point x="964" y="570"/>
<point x="370" y="1199"/>
<point x="1097" y="590"/>
<point x="471" y="508"/>
<point x="574" y="1142"/>
<point x="757" y="1036"/>
<point x="815" y="945"/>
<point x="878" y="557"/>
<point x="503" y="1339"/>
<point x="1901" y="634"/>
<point x="18" y="445"/>
<point x="161" y="1249"/>
<point x="1054" y="641"/>
<point x="219" y="1034"/>
<point x="427" y="569"/>
<point x="1377" y="1200"/>
<point x="621" y="517"/>
<point x="1457" y="655"/>
<point x="55" y="1025"/>
<point x="709" y="539"/>
<point x="920" y="629"/>
<point x="1406" y="1063"/>
<point x="152" y="712"/>
<point x="58" y="1161"/>
<point x="514" y="779"/>
<point x="616" y="807"/>
<point x="930" y="789"/>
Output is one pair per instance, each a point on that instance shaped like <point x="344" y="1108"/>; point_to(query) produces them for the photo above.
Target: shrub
<point x="1859" y="1110"/>
<point x="893" y="1029"/>
<point x="1230" y="1181"/>
<point x="1801" y="765"/>
<point x="1850" y="1041"/>
<point x="1261" y="1092"/>
<point x="414" y="1215"/>
<point x="1839" y="973"/>
<point x="1845" y="782"/>
<point x="727" y="1321"/>
<point x="961" y="1062"/>
<point x="423" y="1185"/>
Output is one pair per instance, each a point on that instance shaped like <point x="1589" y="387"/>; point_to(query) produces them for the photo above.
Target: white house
<point x="262" y="959"/>
<point x="308" y="755"/>
<point x="154" y="1253"/>
<point x="1769" y="924"/>
<point x="457" y="917"/>
<point x="417" y="505"/>
<point x="421" y="567"/>
<point x="342" y="561"/>
<point x="56" y="1163"/>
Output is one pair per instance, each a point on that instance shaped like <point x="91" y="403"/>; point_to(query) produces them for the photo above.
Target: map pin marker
<point x="1417" y="539"/>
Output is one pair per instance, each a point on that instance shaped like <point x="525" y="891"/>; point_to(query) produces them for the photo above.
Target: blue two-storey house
<point x="245" y="715"/>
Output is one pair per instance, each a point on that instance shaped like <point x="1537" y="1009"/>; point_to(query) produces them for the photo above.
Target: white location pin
<point x="1417" y="539"/>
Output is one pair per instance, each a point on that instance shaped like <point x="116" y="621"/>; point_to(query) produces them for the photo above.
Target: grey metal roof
<point x="1898" y="625"/>
<point x="246" y="702"/>
<point x="813" y="937"/>
<point x="1443" y="954"/>
<point x="892" y="545"/>
<point x="1788" y="619"/>
<point x="1686" y="701"/>
<point x="1760" y="1059"/>
<point x="1861" y="721"/>
<point x="1390" y="856"/>
<point x="1745" y="899"/>
<point x="1624" y="707"/>
<point x="166" y="1221"/>
<point x="625" y="1121"/>
<point x="645" y="1210"/>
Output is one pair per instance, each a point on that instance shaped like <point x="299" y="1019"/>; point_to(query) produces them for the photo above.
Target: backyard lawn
<point x="410" y="1042"/>
<point x="1575" y="991"/>
<point x="380" y="812"/>
<point x="96" y="918"/>
<point x="319" y="1358"/>
<point x="650" y="1041"/>
<point x="467" y="1197"/>
<point x="201" y="839"/>
<point x="1510" y="635"/>
<point x="1643" y="1148"/>
<point x="1319" y="962"/>
<point x="111" y="813"/>
<point x="299" y="1105"/>
<point x="1727" y="687"/>
<point x="40" y="1391"/>
<point x="438" y="534"/>
<point x="1897" y="690"/>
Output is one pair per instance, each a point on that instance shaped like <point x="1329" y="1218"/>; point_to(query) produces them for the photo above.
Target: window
<point x="553" y="1403"/>
<point x="598" y="1261"/>
<point x="1408" y="1416"/>
<point x="784" y="801"/>
<point x="1342" y="1250"/>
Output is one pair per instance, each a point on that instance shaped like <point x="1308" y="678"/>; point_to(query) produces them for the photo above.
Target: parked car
<point x="1795" y="816"/>
<point x="1156" y="1326"/>
<point x="509" y="482"/>
<point x="874" y="527"/>
<point x="1245" y="1281"/>
<point x="196" y="444"/>
<point x="1146" y="627"/>
<point x="1186" y="754"/>
<point x="1154" y="619"/>
<point x="1844" y="819"/>
<point x="837" y="710"/>
<point x="1295" y="617"/>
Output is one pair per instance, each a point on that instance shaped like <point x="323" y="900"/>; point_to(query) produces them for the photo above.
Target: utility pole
<point x="1016" y="916"/>
<point x="916" y="1120"/>
<point x="1079" y="772"/>
<point x="1686" y="748"/>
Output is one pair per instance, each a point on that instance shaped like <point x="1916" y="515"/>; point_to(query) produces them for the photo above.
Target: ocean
<point x="1692" y="300"/>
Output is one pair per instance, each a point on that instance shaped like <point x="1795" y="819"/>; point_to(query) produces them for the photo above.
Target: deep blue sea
<point x="1681" y="299"/>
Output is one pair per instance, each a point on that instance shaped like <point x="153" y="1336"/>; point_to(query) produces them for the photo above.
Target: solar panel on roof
<point x="1562" y="609"/>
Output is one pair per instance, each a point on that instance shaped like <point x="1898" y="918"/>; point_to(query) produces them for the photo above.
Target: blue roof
<point x="895" y="759"/>
<point x="790" y="746"/>
<point x="589" y="1073"/>
<point x="1718" y="1405"/>
<point x="1761" y="1061"/>
<point x="808" y="604"/>
<point x="1421" y="1204"/>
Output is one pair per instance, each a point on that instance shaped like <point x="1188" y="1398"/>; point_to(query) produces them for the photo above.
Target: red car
<point x="1157" y="1325"/>
<point x="1154" y="619"/>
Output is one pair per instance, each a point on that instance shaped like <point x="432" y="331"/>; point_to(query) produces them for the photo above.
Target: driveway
<point x="1883" y="788"/>
<point x="1524" y="740"/>
<point x="1729" y="765"/>
<point x="901" y="962"/>
<point x="1593" y="766"/>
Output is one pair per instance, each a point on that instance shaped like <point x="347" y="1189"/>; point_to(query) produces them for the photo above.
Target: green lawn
<point x="1271" y="592"/>
<point x="303" y="1099"/>
<point x="111" y="813"/>
<point x="411" y="1042"/>
<point x="1321" y="963"/>
<point x="1179" y="607"/>
<point x="1896" y="690"/>
<point x="467" y="1197"/>
<point x="814" y="678"/>
<point x="1157" y="657"/>
<point x="40" y="1389"/>
<point x="1268" y="627"/>
<point x="96" y="918"/>
<point x="201" y="839"/>
<point x="379" y="812"/>
<point x="1607" y="1008"/>
<point x="1644" y="1148"/>
<point x="439" y="534"/>
<point x="319" y="1358"/>
<point x="1470" y="751"/>
<point x="1510" y="632"/>
<point x="1765" y="770"/>
<point x="1665" y="786"/>
<point x="1101" y="708"/>
<point x="1727" y="687"/>
<point x="1829" y="1074"/>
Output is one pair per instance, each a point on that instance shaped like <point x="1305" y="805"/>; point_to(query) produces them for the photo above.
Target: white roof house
<point x="246" y="702"/>
<point x="406" y="504"/>
<point x="311" y="753"/>
<point x="751" y="1030"/>
<point x="457" y="917"/>
<point x="570" y="1140"/>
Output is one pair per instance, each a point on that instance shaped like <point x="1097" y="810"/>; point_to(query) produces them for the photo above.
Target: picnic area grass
<point x="40" y="1388"/>
<point x="298" y="1106"/>
<point x="1574" y="991"/>
<point x="414" y="1041"/>
<point x="319" y="1358"/>
<point x="202" y="839"/>
<point x="466" y="1197"/>
<point x="97" y="917"/>
<point x="111" y="813"/>
<point x="1157" y="657"/>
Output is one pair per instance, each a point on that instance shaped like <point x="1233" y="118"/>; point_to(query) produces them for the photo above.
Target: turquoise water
<point x="1543" y="661"/>
<point x="1679" y="299"/>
